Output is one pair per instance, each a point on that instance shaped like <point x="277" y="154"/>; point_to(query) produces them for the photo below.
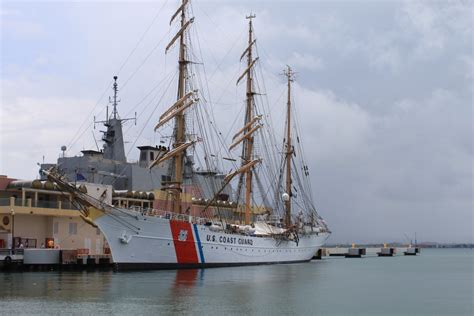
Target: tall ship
<point x="261" y="212"/>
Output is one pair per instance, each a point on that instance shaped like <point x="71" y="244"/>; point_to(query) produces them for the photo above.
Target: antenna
<point x="289" y="73"/>
<point x="115" y="102"/>
<point x="95" y="141"/>
<point x="63" y="149"/>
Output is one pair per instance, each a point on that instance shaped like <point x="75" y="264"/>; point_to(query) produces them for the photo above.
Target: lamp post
<point x="13" y="228"/>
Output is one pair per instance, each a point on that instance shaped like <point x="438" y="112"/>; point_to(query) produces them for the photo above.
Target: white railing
<point x="169" y="215"/>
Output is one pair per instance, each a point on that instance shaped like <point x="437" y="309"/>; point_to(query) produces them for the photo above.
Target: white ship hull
<point x="141" y="242"/>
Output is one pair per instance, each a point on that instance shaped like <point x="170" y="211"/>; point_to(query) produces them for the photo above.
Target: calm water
<point x="439" y="282"/>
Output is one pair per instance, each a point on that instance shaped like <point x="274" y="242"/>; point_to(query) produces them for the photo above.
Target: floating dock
<point x="387" y="252"/>
<point x="356" y="252"/>
<point x="360" y="252"/>
<point x="412" y="251"/>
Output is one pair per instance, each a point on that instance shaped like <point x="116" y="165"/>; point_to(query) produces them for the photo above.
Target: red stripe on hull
<point x="183" y="240"/>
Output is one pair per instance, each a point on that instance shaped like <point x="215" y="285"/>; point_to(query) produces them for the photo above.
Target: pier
<point x="52" y="259"/>
<point x="360" y="252"/>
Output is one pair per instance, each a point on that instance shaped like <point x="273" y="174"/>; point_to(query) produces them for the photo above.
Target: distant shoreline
<point x="401" y="245"/>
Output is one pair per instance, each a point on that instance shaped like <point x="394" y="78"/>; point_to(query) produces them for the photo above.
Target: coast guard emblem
<point x="183" y="235"/>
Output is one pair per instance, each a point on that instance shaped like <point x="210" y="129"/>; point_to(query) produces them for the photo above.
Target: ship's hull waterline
<point x="150" y="242"/>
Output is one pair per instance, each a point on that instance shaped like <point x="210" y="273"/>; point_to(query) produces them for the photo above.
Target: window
<point x="72" y="228"/>
<point x="142" y="156"/>
<point x="152" y="156"/>
<point x="56" y="228"/>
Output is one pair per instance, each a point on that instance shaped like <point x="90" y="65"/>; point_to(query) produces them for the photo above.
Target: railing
<point x="4" y="201"/>
<point x="268" y="218"/>
<point x="10" y="252"/>
<point x="47" y="204"/>
<point x="169" y="215"/>
<point x="65" y="205"/>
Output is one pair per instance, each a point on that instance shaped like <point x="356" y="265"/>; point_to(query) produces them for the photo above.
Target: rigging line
<point x="210" y="112"/>
<point x="142" y="37"/>
<point x="264" y="192"/>
<point x="212" y="55"/>
<point x="303" y="191"/>
<point x="302" y="154"/>
<point x="271" y="161"/>
<point x="237" y="117"/>
<point x="218" y="133"/>
<point x="74" y="140"/>
<point x="143" y="128"/>
<point x="85" y="130"/>
<point x="264" y="105"/>
<point x="271" y="158"/>
<point x="76" y="137"/>
<point x="273" y="78"/>
<point x="143" y="62"/>
<point x="150" y="102"/>
<point x="218" y="64"/>
<point x="265" y="97"/>
<point x="207" y="135"/>
<point x="113" y="216"/>
<point x="151" y="114"/>
<point x="163" y="80"/>
<point x="160" y="82"/>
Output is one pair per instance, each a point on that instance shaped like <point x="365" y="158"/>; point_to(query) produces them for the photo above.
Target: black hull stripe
<point x="173" y="266"/>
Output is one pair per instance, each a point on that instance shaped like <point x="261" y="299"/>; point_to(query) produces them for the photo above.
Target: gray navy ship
<point x="109" y="166"/>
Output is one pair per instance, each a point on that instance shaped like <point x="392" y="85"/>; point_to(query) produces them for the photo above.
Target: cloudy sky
<point x="384" y="94"/>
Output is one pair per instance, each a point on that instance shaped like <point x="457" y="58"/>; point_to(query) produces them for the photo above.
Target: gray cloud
<point x="384" y="93"/>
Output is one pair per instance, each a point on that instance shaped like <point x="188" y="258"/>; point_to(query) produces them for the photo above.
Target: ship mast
<point x="289" y="148"/>
<point x="248" y="117"/>
<point x="180" y="122"/>
<point x="245" y="134"/>
<point x="176" y="111"/>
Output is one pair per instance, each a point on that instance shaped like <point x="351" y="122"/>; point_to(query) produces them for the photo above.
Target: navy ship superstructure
<point x="109" y="166"/>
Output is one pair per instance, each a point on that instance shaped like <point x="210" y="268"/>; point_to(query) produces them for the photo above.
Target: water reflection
<point x="185" y="279"/>
<point x="175" y="291"/>
<point x="54" y="285"/>
<point x="337" y="287"/>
